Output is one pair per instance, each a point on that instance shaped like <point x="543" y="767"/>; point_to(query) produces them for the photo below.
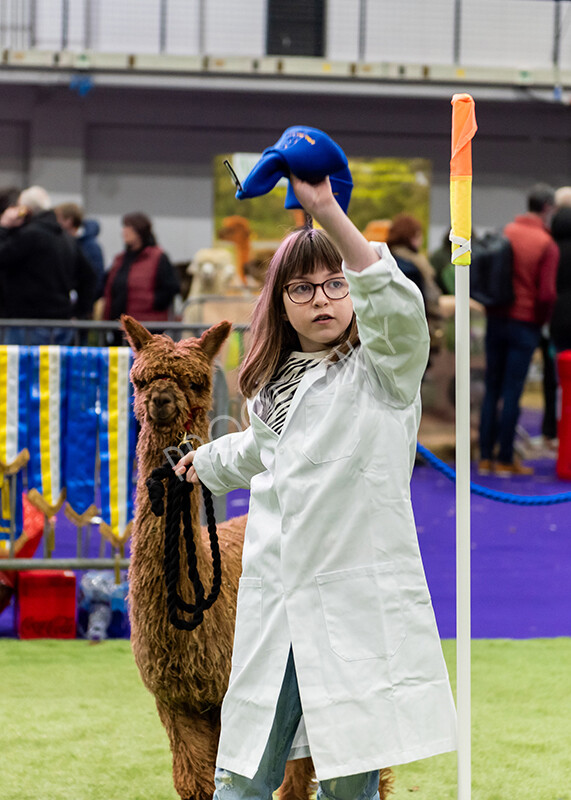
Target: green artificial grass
<point x="521" y="726"/>
<point x="77" y="724"/>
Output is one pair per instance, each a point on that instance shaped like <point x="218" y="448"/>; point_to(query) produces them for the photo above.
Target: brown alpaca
<point x="186" y="671"/>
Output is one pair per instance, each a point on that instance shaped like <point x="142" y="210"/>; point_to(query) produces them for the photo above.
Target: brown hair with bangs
<point x="303" y="252"/>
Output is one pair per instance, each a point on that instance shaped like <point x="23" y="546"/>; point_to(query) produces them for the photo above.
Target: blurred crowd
<point x="52" y="267"/>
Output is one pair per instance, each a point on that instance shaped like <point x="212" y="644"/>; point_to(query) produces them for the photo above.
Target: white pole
<point x="463" y="582"/>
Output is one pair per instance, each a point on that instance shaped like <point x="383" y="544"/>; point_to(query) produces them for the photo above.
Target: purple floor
<point x="521" y="555"/>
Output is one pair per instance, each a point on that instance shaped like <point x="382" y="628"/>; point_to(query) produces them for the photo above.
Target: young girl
<point x="335" y="628"/>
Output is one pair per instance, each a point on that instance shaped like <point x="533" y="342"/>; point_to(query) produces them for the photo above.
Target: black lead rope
<point x="178" y="505"/>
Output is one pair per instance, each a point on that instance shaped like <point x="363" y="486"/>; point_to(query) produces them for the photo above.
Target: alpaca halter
<point x="185" y="435"/>
<point x="178" y="505"/>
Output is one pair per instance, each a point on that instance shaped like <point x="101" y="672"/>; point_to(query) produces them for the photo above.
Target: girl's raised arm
<point x="318" y="200"/>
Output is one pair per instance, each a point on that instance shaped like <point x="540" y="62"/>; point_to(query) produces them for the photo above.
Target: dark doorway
<point x="296" y="28"/>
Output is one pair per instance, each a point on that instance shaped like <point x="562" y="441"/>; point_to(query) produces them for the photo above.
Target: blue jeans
<point x="268" y="778"/>
<point x="509" y="348"/>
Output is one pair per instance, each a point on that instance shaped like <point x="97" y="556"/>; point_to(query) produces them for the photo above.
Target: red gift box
<point x="46" y="604"/>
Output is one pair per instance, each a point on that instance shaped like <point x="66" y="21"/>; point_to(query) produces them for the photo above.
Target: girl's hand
<point x="185" y="466"/>
<point x="316" y="198"/>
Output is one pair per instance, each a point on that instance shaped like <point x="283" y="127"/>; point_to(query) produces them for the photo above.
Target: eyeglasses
<point x="301" y="292"/>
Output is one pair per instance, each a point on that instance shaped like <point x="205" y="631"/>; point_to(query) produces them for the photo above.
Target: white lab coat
<point x="331" y="563"/>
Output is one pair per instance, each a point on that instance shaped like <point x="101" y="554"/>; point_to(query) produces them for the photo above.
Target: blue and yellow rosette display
<point x="117" y="441"/>
<point x="14" y="454"/>
<point x="47" y="390"/>
<point x="80" y="445"/>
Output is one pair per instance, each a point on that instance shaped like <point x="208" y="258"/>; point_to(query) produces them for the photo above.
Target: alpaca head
<point x="235" y="229"/>
<point x="173" y="380"/>
<point x="212" y="270"/>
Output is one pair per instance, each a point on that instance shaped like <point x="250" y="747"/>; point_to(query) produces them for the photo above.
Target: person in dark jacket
<point x="8" y="197"/>
<point x="561" y="231"/>
<point x="71" y="218"/>
<point x="142" y="282"/>
<point x="44" y="273"/>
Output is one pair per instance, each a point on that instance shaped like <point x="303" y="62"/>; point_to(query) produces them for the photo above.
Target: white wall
<point x="120" y="150"/>
<point x="236" y="28"/>
<point x="343" y="29"/>
<point x="517" y="33"/>
<point x="133" y="26"/>
<point x="410" y="31"/>
<point x="121" y="176"/>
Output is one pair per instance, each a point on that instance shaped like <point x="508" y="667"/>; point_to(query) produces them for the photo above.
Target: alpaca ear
<point x="211" y="340"/>
<point x="137" y="335"/>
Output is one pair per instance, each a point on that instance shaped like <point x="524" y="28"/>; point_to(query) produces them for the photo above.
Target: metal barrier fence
<point x="102" y="333"/>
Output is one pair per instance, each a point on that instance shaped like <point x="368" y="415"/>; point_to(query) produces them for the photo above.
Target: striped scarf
<point x="276" y="396"/>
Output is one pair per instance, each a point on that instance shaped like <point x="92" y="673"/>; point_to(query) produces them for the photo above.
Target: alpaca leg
<point x="193" y="742"/>
<point x="386" y="783"/>
<point x="298" y="783"/>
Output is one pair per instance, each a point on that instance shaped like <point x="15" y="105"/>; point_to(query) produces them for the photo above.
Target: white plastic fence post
<point x="463" y="538"/>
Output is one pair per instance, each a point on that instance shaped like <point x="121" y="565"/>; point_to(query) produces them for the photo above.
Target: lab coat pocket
<point x="331" y="425"/>
<point x="362" y="612"/>
<point x="248" y="619"/>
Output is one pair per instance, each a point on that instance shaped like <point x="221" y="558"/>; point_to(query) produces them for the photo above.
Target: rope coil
<point x="177" y="507"/>
<point x="493" y="494"/>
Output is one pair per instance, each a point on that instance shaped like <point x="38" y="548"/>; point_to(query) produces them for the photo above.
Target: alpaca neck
<point x="151" y="454"/>
<point x="152" y="451"/>
<point x="243" y="254"/>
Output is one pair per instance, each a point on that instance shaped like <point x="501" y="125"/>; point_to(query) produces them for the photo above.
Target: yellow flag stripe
<point x="13" y="403"/>
<point x="6" y="506"/>
<point x="9" y="402"/>
<point x="9" y="417"/>
<point x="461" y="213"/>
<point x="113" y="435"/>
<point x="55" y="420"/>
<point x="123" y="438"/>
<point x="45" y="439"/>
<point x="3" y="403"/>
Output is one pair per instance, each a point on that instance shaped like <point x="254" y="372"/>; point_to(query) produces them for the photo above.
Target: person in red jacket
<point x="513" y="332"/>
<point x="142" y="282"/>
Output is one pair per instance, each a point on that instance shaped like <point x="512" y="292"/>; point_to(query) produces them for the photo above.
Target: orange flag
<point x="463" y="129"/>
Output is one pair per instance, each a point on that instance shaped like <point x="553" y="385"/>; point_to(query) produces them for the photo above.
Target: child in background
<point x="336" y="651"/>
